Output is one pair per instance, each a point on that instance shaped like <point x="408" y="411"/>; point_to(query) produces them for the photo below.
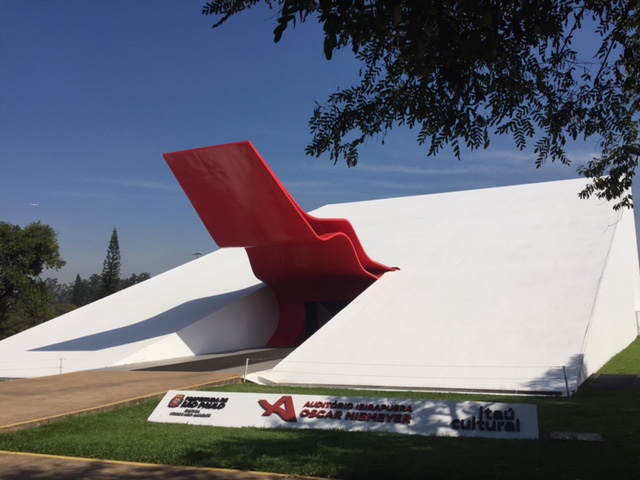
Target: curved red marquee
<point x="302" y="258"/>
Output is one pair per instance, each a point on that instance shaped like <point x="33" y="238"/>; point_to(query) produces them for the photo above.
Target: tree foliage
<point x="24" y="254"/>
<point x="134" y="279"/>
<point x="460" y="71"/>
<point x="78" y="292"/>
<point x="27" y="300"/>
<point x="110" y="278"/>
<point x="84" y="291"/>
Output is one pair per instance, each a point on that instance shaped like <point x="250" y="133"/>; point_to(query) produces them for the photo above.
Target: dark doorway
<point x="318" y="314"/>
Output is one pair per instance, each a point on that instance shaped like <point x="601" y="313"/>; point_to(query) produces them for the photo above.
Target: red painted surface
<point x="302" y="258"/>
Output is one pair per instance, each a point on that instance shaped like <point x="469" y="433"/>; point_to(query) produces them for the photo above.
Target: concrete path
<point x="23" y="466"/>
<point x="31" y="402"/>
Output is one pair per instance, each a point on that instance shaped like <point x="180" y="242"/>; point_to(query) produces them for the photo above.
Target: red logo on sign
<point x="176" y="401"/>
<point x="283" y="408"/>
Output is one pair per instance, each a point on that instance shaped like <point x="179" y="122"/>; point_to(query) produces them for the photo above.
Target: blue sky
<point x="93" y="93"/>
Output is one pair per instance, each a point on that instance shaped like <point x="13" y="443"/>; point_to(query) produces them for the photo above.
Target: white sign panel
<point x="413" y="417"/>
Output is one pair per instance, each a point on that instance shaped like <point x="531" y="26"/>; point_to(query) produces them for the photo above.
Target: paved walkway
<point x="32" y="402"/>
<point x="22" y="466"/>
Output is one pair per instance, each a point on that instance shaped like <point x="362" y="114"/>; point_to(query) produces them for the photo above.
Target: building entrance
<point x="318" y="314"/>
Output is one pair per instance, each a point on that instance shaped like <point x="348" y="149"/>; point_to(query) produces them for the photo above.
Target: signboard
<point x="413" y="417"/>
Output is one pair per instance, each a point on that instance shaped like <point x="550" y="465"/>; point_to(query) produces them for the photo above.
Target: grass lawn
<point x="628" y="362"/>
<point x="125" y="434"/>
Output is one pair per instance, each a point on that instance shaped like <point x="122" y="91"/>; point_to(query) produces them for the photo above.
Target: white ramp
<point x="213" y="304"/>
<point x="502" y="289"/>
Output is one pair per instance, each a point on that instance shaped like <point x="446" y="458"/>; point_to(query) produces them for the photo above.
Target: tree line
<point x="26" y="299"/>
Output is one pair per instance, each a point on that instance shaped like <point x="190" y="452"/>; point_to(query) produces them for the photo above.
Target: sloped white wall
<point x="612" y="326"/>
<point x="247" y="323"/>
<point x="495" y="291"/>
<point x="214" y="302"/>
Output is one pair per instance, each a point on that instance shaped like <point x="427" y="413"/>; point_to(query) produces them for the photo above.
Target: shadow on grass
<point x="330" y="454"/>
<point x="357" y="456"/>
<point x="371" y="456"/>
